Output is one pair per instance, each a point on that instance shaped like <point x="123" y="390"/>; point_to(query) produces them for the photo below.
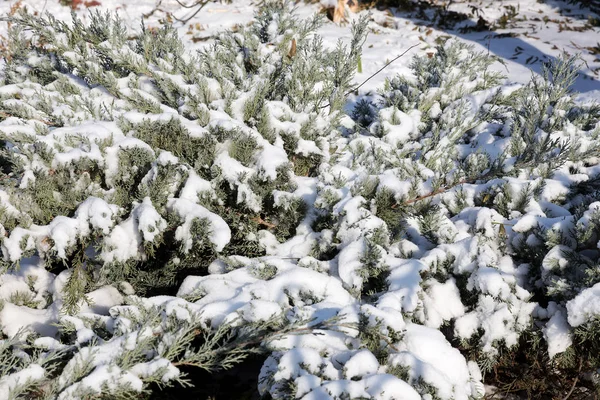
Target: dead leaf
<point x="292" y="51"/>
<point x="502" y="230"/>
<point x="339" y="14"/>
<point x="353" y="5"/>
<point x="15" y="7"/>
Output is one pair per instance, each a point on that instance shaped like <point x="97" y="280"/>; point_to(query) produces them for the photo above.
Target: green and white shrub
<point x="164" y="209"/>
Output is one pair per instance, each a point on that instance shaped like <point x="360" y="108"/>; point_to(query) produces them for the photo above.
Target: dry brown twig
<point x="376" y="73"/>
<point x="261" y="221"/>
<point x="575" y="380"/>
<point x="155" y="9"/>
<point x="198" y="3"/>
<point x="49" y="123"/>
<point x="338" y="14"/>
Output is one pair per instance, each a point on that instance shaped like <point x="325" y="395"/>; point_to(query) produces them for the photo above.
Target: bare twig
<point x="575" y="381"/>
<point x="261" y="221"/>
<point x="194" y="4"/>
<point x="7" y="115"/>
<point x="436" y="192"/>
<point x="443" y="189"/>
<point x="382" y="68"/>
<point x="199" y="3"/>
<point x="376" y="73"/>
<point x="155" y="9"/>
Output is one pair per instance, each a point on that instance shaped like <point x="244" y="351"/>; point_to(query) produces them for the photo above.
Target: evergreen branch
<point x="492" y="173"/>
<point x="222" y="217"/>
<point x="235" y="349"/>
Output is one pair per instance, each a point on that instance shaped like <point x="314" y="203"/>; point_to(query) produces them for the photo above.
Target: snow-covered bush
<point x="188" y="158"/>
<point x="489" y="191"/>
<point x="164" y="209"/>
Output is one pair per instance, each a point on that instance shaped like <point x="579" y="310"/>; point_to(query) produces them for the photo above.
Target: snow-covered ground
<point x="538" y="32"/>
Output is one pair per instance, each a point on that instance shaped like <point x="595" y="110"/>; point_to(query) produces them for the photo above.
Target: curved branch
<point x="376" y="73"/>
<point x="575" y="381"/>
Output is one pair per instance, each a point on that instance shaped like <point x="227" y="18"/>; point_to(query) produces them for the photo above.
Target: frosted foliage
<point x="316" y="377"/>
<point x="163" y="208"/>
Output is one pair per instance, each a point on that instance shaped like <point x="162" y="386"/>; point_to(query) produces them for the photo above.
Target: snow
<point x="584" y="307"/>
<point x="220" y="234"/>
<point x="150" y="368"/>
<point x="308" y="147"/>
<point x="431" y="358"/>
<point x="225" y="296"/>
<point x="558" y="334"/>
<point x="97" y="213"/>
<point x="260" y="310"/>
<point x="349" y="264"/>
<point x="194" y="186"/>
<point x="400" y="132"/>
<point x="442" y="302"/>
<point x="30" y="374"/>
<point x="555" y="258"/>
<point x="298" y="359"/>
<point x="388" y="387"/>
<point x="124" y="241"/>
<point x="361" y="364"/>
<point x="271" y="158"/>
<point x="10" y="285"/>
<point x="14" y="319"/>
<point x="404" y="285"/>
<point x="63" y="231"/>
<point x="337" y="389"/>
<point x="101" y="300"/>
<point x="150" y="223"/>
